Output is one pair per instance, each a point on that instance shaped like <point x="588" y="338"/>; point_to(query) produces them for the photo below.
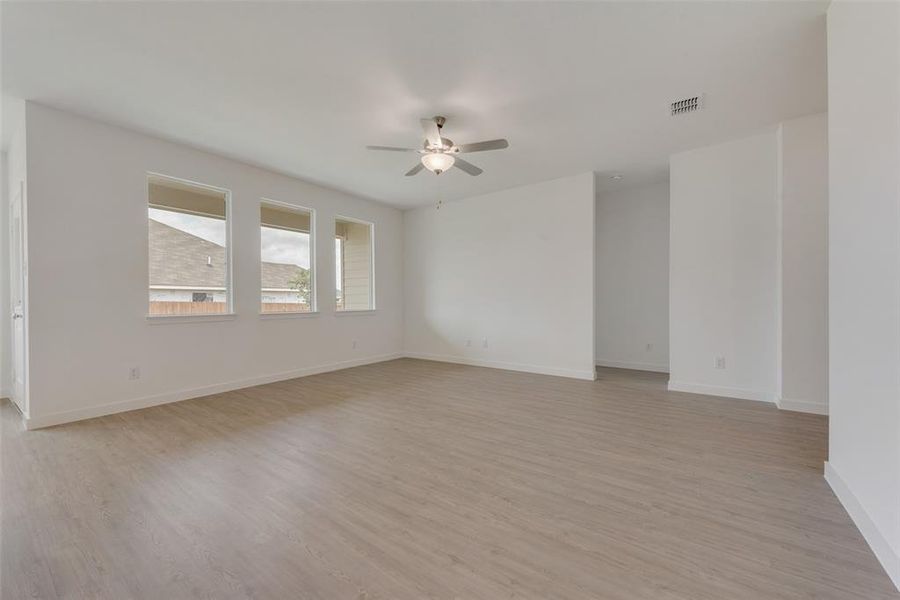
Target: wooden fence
<point x="186" y="308"/>
<point x="160" y="308"/>
<point x="280" y="307"/>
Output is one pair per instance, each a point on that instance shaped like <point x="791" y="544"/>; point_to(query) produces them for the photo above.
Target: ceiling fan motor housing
<point x="446" y="145"/>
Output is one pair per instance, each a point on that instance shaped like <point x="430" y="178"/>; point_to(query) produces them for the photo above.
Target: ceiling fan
<point x="439" y="153"/>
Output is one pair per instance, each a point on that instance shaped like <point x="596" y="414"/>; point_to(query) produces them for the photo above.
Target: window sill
<point x="170" y="319"/>
<point x="288" y="315"/>
<point x="350" y="313"/>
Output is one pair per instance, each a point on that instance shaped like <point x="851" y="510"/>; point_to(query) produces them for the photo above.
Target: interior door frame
<point x="19" y="197"/>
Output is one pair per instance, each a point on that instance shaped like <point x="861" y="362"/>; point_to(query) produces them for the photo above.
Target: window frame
<point x="372" y="295"/>
<point x="313" y="274"/>
<point x="230" y="312"/>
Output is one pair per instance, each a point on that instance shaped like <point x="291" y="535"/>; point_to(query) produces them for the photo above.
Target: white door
<point x="17" y="270"/>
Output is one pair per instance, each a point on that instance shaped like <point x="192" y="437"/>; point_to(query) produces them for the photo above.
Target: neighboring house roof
<point x="178" y="258"/>
<point x="277" y="276"/>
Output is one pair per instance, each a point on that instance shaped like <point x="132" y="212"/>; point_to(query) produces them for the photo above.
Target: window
<point x="189" y="266"/>
<point x="353" y="253"/>
<point x="286" y="267"/>
<point x="339" y="272"/>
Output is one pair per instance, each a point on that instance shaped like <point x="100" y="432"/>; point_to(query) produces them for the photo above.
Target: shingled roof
<point x="178" y="258"/>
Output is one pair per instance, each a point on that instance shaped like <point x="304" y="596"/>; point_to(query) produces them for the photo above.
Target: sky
<point x="277" y="245"/>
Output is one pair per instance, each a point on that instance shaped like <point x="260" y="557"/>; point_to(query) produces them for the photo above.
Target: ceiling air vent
<point x="680" y="107"/>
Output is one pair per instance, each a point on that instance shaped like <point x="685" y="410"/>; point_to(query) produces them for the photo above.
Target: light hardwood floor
<point x="414" y="479"/>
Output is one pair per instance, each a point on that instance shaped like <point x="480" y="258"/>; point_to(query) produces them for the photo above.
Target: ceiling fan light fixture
<point x="437" y="162"/>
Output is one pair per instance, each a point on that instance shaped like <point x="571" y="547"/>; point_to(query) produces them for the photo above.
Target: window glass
<point x="354" y="263"/>
<point x="189" y="271"/>
<point x="286" y="267"/>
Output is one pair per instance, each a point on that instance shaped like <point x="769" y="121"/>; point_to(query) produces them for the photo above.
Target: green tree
<point x="300" y="282"/>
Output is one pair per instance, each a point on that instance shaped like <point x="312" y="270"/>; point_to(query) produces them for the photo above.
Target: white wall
<point x="804" y="263"/>
<point x="515" y="267"/>
<point x="723" y="274"/>
<point x="864" y="269"/>
<point x="632" y="277"/>
<point x="87" y="219"/>
<point x="5" y="329"/>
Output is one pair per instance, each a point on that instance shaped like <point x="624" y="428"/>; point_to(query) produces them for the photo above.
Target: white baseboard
<point x="90" y="412"/>
<point x="637" y="366"/>
<point x="589" y="375"/>
<point x="726" y="392"/>
<point x="877" y="542"/>
<point x="804" y="406"/>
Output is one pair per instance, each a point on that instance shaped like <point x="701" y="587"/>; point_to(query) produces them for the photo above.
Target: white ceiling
<point x="301" y="88"/>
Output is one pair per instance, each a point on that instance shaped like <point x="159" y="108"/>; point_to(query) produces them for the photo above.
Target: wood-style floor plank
<point x="415" y="479"/>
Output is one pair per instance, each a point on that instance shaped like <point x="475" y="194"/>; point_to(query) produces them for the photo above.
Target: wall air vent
<point x="680" y="107"/>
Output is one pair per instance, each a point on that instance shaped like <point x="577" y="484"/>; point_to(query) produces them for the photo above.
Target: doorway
<point x="17" y="278"/>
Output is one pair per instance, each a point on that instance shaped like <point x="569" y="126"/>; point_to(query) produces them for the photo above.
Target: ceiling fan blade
<point x="391" y="148"/>
<point x="432" y="133"/>
<point x="482" y="146"/>
<point x="467" y="167"/>
<point x="415" y="170"/>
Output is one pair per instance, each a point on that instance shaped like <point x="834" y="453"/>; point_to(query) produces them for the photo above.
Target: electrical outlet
<point x="354" y="344"/>
<point x="484" y="342"/>
<point x="649" y="347"/>
<point x="468" y="343"/>
<point x="134" y="373"/>
<point x="720" y="362"/>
